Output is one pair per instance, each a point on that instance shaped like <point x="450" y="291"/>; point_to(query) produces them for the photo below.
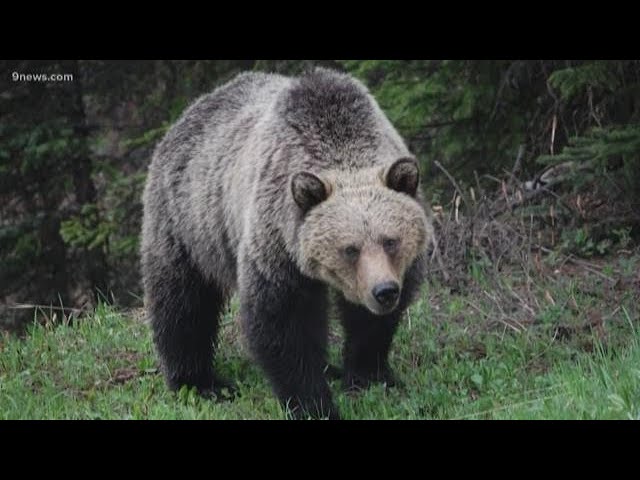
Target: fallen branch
<point x="18" y="306"/>
<point x="453" y="182"/>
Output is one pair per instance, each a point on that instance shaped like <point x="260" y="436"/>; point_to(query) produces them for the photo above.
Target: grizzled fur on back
<point x="221" y="214"/>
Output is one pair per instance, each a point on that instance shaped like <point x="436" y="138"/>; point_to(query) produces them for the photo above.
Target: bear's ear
<point x="308" y="190"/>
<point x="403" y="176"/>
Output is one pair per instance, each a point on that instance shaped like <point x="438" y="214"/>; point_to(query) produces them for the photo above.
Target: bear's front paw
<point x="354" y="380"/>
<point x="311" y="410"/>
<point x="221" y="390"/>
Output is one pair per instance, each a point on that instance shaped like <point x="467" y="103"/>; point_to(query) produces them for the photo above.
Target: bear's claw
<point x="357" y="381"/>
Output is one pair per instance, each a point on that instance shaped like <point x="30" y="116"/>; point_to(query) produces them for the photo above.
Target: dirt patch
<point x="123" y="375"/>
<point x="130" y="369"/>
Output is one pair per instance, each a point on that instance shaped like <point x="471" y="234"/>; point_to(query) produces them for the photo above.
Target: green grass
<point x="454" y="362"/>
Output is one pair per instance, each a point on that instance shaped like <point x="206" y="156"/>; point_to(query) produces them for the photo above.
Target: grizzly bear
<point x="281" y="189"/>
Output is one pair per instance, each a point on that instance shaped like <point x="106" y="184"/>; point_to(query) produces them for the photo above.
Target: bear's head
<point x="361" y="229"/>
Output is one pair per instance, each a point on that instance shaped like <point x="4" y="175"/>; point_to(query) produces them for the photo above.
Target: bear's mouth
<point x="330" y="276"/>
<point x="377" y="309"/>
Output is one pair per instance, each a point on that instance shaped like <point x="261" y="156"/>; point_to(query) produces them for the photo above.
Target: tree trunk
<point x="91" y="276"/>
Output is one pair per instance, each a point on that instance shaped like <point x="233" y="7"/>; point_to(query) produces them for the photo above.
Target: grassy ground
<point x="571" y="351"/>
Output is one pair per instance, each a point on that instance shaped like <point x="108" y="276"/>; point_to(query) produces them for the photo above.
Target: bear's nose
<point x="386" y="293"/>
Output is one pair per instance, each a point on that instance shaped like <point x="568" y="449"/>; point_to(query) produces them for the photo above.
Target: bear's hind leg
<point x="184" y="311"/>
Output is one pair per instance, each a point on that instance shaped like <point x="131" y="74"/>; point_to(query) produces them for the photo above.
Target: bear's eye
<point x="390" y="245"/>
<point x="352" y="252"/>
